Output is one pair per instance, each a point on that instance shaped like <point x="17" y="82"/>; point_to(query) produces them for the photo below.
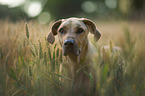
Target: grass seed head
<point x="27" y="31"/>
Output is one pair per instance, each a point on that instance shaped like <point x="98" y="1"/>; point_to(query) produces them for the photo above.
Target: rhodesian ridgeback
<point x="78" y="50"/>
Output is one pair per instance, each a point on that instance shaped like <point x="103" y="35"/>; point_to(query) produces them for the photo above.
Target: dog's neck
<point x="75" y="62"/>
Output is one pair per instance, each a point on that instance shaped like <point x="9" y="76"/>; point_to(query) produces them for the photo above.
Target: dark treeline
<point x="67" y="8"/>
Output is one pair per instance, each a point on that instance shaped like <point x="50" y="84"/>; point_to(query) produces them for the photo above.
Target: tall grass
<point x="30" y="67"/>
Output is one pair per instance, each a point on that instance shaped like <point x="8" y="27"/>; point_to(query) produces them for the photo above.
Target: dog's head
<point x="72" y="34"/>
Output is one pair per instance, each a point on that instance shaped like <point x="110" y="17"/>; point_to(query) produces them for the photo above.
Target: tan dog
<point x="76" y="47"/>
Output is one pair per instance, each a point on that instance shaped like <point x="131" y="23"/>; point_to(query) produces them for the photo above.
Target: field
<point x="29" y="66"/>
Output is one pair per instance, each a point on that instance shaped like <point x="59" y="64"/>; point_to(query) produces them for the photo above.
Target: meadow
<point x="30" y="66"/>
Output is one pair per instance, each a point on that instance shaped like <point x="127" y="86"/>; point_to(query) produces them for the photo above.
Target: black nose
<point x="69" y="42"/>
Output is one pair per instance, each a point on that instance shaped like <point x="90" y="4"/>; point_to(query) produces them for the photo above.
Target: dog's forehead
<point x="72" y="22"/>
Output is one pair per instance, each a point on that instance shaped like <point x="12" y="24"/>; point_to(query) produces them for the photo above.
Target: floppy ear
<point x="53" y="32"/>
<point x="92" y="28"/>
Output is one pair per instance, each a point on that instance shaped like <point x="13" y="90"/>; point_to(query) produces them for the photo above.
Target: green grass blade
<point x="27" y="31"/>
<point x="57" y="56"/>
<point x="49" y="52"/>
<point x="30" y="72"/>
<point x="49" y="79"/>
<point x="32" y="52"/>
<point x="45" y="58"/>
<point x="13" y="75"/>
<point x="53" y="62"/>
<point x="55" y="46"/>
<point x="58" y="75"/>
<point x="40" y="50"/>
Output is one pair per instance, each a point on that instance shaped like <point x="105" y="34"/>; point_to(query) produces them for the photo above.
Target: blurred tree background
<point x="46" y="10"/>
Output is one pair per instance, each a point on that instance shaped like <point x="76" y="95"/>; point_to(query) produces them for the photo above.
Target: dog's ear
<point x="53" y="32"/>
<point x="92" y="28"/>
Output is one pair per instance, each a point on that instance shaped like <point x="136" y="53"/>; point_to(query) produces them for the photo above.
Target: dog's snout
<point x="69" y="42"/>
<point x="70" y="47"/>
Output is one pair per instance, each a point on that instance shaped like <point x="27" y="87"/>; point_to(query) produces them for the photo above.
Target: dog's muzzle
<point x="70" y="47"/>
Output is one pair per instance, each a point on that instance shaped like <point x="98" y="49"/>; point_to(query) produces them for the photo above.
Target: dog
<point x="78" y="51"/>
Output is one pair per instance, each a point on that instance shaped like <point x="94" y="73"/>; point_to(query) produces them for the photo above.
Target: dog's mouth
<point x="71" y="49"/>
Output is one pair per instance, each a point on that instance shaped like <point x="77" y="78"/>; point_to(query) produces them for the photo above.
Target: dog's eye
<point x="62" y="31"/>
<point x="79" y="31"/>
